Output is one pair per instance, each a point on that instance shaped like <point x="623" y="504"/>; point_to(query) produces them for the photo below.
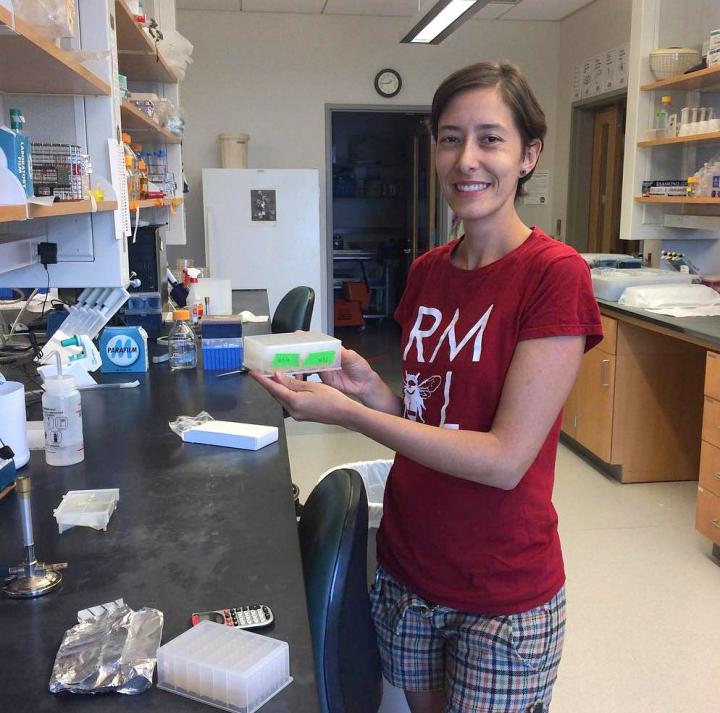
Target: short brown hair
<point x="527" y="113"/>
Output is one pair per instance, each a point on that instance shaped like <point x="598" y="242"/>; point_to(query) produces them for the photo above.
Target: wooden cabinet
<point x="637" y="404"/>
<point x="707" y="521"/>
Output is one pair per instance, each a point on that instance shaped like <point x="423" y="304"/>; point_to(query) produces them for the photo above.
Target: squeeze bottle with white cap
<point x="62" y="419"/>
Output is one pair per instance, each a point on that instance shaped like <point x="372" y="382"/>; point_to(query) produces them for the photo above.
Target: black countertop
<point x="196" y="528"/>
<point x="704" y="329"/>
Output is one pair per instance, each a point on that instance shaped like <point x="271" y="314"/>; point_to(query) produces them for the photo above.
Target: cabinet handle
<point x="602" y="373"/>
<point x="715" y="523"/>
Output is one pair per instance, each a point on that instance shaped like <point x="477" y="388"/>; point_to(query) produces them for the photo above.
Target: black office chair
<point x="333" y="543"/>
<point x="294" y="311"/>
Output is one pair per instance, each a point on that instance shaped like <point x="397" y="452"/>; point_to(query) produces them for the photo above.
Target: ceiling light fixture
<point x="443" y="18"/>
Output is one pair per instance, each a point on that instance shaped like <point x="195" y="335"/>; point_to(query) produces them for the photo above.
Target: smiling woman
<point x="469" y="602"/>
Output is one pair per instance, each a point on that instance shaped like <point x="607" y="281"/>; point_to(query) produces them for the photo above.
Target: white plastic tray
<point x="228" y="668"/>
<point x="88" y="508"/>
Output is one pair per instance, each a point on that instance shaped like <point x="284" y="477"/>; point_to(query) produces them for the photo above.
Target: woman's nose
<point x="468" y="157"/>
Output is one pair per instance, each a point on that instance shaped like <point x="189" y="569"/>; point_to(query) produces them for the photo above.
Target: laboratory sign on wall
<point x="603" y="73"/>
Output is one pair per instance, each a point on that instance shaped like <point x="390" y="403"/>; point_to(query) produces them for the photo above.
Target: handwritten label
<point x="319" y="359"/>
<point x="284" y="360"/>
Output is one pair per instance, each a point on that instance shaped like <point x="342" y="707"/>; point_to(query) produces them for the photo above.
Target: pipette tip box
<point x="294" y="353"/>
<point x="225" y="667"/>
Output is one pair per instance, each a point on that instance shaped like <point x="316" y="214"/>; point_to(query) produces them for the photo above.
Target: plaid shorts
<point x="502" y="664"/>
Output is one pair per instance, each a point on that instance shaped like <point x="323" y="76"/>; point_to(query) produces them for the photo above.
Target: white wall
<point x="271" y="75"/>
<point x="600" y="26"/>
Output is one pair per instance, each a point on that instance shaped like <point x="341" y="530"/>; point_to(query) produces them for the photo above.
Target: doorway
<point x="384" y="208"/>
<point x="596" y="172"/>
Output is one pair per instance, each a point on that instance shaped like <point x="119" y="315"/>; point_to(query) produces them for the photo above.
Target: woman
<point x="469" y="602"/>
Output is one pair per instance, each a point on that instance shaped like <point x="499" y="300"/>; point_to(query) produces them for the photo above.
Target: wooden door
<point x="606" y="181"/>
<point x="595" y="398"/>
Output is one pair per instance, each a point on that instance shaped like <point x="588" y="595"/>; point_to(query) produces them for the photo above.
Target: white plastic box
<point x="609" y="284"/>
<point x="88" y="508"/>
<point x="229" y="668"/>
<point x="294" y="353"/>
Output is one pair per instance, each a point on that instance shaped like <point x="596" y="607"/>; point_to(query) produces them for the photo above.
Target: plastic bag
<point x="184" y="423"/>
<point x="113" y="648"/>
<point x="176" y="50"/>
<point x="55" y="18"/>
<point x="374" y="474"/>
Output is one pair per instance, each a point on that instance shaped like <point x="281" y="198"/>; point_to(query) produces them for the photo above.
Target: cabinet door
<point x="595" y="393"/>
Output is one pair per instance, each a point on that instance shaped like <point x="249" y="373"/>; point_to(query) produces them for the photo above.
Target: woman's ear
<point x="531" y="156"/>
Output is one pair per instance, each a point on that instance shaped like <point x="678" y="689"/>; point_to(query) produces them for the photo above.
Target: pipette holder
<point x="31" y="578"/>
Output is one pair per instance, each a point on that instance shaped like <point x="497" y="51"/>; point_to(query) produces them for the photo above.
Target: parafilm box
<point x="123" y="349"/>
<point x="294" y="353"/>
<point x="664" y="188"/>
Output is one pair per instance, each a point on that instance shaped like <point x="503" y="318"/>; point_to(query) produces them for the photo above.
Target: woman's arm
<point x="538" y="381"/>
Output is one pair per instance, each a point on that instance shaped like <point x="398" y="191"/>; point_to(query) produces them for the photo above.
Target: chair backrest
<point x="294" y="311"/>
<point x="333" y="542"/>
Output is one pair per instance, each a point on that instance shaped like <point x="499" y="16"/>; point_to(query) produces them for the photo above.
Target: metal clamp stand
<point x="31" y="578"/>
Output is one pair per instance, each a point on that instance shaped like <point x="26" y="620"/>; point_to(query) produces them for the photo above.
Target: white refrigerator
<point x="262" y="230"/>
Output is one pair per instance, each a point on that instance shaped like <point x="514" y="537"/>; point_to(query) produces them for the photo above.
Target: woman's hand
<point x="306" y="400"/>
<point x="355" y="378"/>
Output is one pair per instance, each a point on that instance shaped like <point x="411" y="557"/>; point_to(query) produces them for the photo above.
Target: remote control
<point x="252" y="616"/>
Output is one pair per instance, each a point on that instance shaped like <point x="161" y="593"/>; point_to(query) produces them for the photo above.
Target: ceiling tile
<point x="311" y="6"/>
<point x="492" y="11"/>
<point x="208" y="4"/>
<point x="544" y="9"/>
<point x="391" y="8"/>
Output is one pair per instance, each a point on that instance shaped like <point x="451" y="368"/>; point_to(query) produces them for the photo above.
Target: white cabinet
<point x="74" y="98"/>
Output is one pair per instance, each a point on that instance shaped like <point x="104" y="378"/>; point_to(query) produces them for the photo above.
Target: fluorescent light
<point x="442" y="19"/>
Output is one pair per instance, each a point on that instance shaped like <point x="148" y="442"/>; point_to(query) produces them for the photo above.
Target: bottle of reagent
<point x="62" y="420"/>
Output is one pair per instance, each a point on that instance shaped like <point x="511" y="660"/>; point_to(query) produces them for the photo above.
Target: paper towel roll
<point x="13" y="424"/>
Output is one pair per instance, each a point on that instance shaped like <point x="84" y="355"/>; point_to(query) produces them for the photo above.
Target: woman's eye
<point x="448" y="139"/>
<point x="490" y="139"/>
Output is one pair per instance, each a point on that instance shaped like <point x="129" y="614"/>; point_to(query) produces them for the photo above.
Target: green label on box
<point x="319" y="359"/>
<point x="281" y="360"/>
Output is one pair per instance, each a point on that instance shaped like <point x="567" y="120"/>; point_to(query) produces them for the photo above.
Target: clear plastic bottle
<point x="62" y="420"/>
<point x="662" y="115"/>
<point x="142" y="179"/>
<point x="182" y="346"/>
<point x="131" y="169"/>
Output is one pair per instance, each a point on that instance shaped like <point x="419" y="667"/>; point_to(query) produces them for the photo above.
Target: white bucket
<point x="233" y="150"/>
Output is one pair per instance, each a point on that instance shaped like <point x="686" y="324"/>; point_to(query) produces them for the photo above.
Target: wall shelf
<point x="704" y="79"/>
<point x="711" y="137"/>
<point x="10" y="213"/>
<point x="681" y="201"/>
<point x="137" y="122"/>
<point x="155" y="203"/>
<point x="30" y="63"/>
<point x="138" y="58"/>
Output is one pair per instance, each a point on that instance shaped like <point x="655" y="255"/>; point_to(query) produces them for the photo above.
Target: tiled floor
<point x="643" y="631"/>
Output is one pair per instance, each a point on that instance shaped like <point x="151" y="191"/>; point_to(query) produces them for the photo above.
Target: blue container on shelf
<point x="222" y="354"/>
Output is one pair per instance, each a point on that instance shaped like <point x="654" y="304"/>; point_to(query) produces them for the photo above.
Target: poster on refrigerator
<point x="263" y="206"/>
<point x="537" y="189"/>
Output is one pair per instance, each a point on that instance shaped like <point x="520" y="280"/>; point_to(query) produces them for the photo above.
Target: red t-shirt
<point x="469" y="546"/>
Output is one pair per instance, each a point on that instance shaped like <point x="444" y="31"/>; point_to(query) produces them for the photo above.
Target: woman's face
<point x="480" y="154"/>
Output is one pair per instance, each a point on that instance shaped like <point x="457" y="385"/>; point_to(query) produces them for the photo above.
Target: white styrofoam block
<point x="233" y="435"/>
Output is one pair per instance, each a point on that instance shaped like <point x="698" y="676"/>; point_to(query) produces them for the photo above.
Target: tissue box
<point x="123" y="349"/>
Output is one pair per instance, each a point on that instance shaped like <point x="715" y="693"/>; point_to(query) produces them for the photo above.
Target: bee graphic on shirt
<point x="414" y="394"/>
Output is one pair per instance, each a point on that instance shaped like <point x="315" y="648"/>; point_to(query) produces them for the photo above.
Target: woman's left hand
<point x="307" y="400"/>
